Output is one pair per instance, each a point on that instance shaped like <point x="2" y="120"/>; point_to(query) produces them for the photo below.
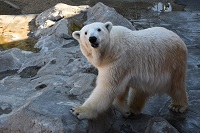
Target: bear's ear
<point x="76" y="35"/>
<point x="108" y="26"/>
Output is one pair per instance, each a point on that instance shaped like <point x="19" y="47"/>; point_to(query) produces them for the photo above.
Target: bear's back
<point x="156" y="37"/>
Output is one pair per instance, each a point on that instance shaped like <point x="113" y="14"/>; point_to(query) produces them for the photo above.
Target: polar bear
<point x="132" y="66"/>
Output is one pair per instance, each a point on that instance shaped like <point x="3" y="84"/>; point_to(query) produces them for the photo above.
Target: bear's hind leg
<point x="179" y="101"/>
<point x="179" y="98"/>
<point x="136" y="100"/>
<point x="120" y="103"/>
<point x="178" y="93"/>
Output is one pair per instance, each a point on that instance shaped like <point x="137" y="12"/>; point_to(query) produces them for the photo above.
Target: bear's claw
<point x="127" y="114"/>
<point x="74" y="112"/>
<point x="177" y="108"/>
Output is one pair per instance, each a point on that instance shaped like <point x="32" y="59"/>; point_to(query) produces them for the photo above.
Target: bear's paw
<point x="122" y="107"/>
<point x="82" y="112"/>
<point x="177" y="108"/>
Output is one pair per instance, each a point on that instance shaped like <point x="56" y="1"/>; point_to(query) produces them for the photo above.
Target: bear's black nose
<point x="92" y="39"/>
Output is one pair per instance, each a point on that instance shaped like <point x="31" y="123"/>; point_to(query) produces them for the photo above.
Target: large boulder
<point x="13" y="59"/>
<point x="160" y="125"/>
<point x="48" y="18"/>
<point x="58" y="12"/>
<point x="74" y="18"/>
<point x="103" y="13"/>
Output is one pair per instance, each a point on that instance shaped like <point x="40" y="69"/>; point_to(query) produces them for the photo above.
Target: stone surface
<point x="13" y="59"/>
<point x="192" y="5"/>
<point x="159" y="125"/>
<point x="38" y="89"/>
<point x="46" y="21"/>
<point x="58" y="12"/>
<point x="60" y="28"/>
<point x="103" y="13"/>
<point x="72" y="16"/>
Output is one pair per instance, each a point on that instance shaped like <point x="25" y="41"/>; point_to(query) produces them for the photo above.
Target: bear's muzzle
<point x="93" y="41"/>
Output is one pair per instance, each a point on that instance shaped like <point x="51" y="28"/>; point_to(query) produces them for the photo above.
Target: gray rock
<point x="13" y="59"/>
<point x="103" y="13"/>
<point x="7" y="73"/>
<point x="192" y="5"/>
<point x="50" y="42"/>
<point x="58" y="12"/>
<point x="60" y="29"/>
<point x="77" y="89"/>
<point x="160" y="125"/>
<point x="42" y="103"/>
<point x="49" y="22"/>
<point x="5" y="108"/>
<point x="44" y="111"/>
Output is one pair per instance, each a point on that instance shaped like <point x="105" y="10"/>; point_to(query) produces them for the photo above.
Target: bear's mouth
<point x="93" y="41"/>
<point x="95" y="45"/>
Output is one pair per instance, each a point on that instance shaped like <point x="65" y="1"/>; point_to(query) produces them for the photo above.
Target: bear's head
<point x="94" y="35"/>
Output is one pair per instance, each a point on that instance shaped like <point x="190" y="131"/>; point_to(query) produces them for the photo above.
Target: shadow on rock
<point x="7" y="73"/>
<point x="5" y="108"/>
<point x="103" y="123"/>
<point x="29" y="72"/>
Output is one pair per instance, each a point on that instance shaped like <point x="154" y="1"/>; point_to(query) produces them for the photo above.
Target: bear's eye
<point x="98" y="29"/>
<point x="85" y="33"/>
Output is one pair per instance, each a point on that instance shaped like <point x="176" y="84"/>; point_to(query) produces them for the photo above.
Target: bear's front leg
<point x="99" y="101"/>
<point x="102" y="96"/>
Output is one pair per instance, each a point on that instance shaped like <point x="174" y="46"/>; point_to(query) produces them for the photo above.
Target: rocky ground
<point x="38" y="89"/>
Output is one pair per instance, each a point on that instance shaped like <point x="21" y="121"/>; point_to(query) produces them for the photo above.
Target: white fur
<point x="145" y="60"/>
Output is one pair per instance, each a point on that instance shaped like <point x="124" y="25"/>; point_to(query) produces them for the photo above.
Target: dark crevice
<point x="29" y="72"/>
<point x="40" y="87"/>
<point x="90" y="69"/>
<point x="7" y="73"/>
<point x="5" y="108"/>
<point x="71" y="44"/>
